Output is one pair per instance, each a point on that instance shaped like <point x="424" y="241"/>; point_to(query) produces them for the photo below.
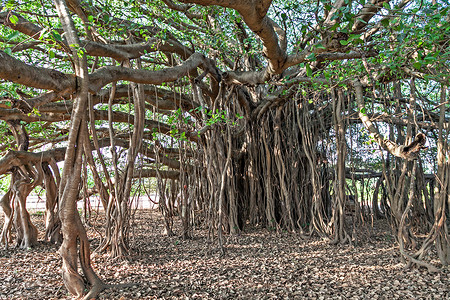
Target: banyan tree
<point x="310" y="117"/>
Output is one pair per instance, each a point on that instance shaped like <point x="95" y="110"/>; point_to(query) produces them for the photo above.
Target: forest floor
<point x="258" y="264"/>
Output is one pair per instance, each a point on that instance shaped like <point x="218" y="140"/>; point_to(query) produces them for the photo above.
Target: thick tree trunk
<point x="442" y="189"/>
<point x="26" y="231"/>
<point x="5" y="203"/>
<point x="340" y="234"/>
<point x="52" y="222"/>
<point x="72" y="229"/>
<point x="23" y="181"/>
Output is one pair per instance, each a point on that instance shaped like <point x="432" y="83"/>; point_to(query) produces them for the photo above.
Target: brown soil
<point x="258" y="265"/>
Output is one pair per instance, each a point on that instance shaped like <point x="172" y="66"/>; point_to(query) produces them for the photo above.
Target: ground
<point x="258" y="264"/>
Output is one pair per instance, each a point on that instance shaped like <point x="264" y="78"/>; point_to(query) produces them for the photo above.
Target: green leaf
<point x="56" y="36"/>
<point x="43" y="34"/>
<point x="334" y="27"/>
<point x="8" y="51"/>
<point x="36" y="112"/>
<point x="429" y="59"/>
<point x="308" y="70"/>
<point x="386" y="5"/>
<point x="320" y="46"/>
<point x="344" y="42"/>
<point x="385" y="22"/>
<point x="311" y="57"/>
<point x="417" y="65"/>
<point x="13" y="19"/>
<point x="51" y="54"/>
<point x="12" y="36"/>
<point x="362" y="21"/>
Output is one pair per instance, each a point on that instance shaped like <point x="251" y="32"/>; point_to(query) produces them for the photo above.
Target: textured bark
<point x="71" y="226"/>
<point x="24" y="179"/>
<point x="5" y="203"/>
<point x="52" y="222"/>
<point x="408" y="152"/>
<point x="59" y="82"/>
<point x="118" y="217"/>
<point x="442" y="189"/>
<point x="26" y="231"/>
<point x="340" y="234"/>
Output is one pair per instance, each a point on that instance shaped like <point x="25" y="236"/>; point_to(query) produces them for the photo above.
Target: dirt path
<point x="258" y="265"/>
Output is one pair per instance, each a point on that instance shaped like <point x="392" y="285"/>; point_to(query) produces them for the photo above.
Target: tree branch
<point x="409" y="152"/>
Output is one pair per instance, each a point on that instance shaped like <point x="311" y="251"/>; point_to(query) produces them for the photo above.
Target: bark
<point x="268" y="168"/>
<point x="65" y="83"/>
<point x="5" y="203"/>
<point x="118" y="216"/>
<point x="222" y="192"/>
<point x="24" y="180"/>
<point x="72" y="229"/>
<point x="441" y="189"/>
<point x="408" y="152"/>
<point x="340" y="234"/>
<point x="401" y="231"/>
<point x="368" y="11"/>
<point x="16" y="71"/>
<point x="52" y="222"/>
<point x="171" y="174"/>
<point x="116" y="51"/>
<point x="311" y="174"/>
<point x="375" y="200"/>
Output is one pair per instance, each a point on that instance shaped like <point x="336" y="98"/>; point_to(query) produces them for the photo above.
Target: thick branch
<point x="22" y="25"/>
<point x="16" y="71"/>
<point x="23" y="158"/>
<point x="367" y="12"/>
<point x="409" y="152"/>
<point x="106" y="75"/>
<point x="254" y="15"/>
<point x="154" y="173"/>
<point x="118" y="52"/>
<point x="126" y="52"/>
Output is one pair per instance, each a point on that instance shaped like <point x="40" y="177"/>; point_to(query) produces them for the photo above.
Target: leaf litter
<point x="259" y="264"/>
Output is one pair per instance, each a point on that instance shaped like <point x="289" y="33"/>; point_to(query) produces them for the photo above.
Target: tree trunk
<point x="52" y="222"/>
<point x="5" y="203"/>
<point x="340" y="234"/>
<point x="23" y="181"/>
<point x="72" y="229"/>
<point x="442" y="189"/>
